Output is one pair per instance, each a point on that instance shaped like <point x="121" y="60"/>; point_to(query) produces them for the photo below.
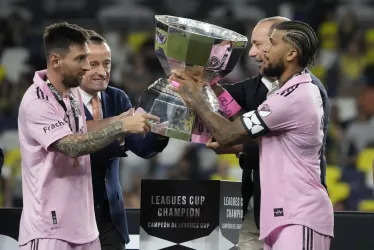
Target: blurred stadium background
<point x="344" y="63"/>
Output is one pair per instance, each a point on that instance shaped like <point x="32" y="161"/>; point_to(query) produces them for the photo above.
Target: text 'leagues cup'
<point x="201" y="50"/>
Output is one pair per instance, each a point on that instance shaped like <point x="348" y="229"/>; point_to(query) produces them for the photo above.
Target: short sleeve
<point x="44" y="124"/>
<point x="276" y="114"/>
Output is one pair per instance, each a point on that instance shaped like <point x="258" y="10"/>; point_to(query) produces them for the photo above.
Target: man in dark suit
<point x="102" y="101"/>
<point x="249" y="94"/>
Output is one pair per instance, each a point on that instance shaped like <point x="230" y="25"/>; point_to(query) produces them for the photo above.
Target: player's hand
<point x="128" y="113"/>
<point x="160" y="128"/>
<point x="219" y="150"/>
<point x="157" y="127"/>
<point x="212" y="145"/>
<point x="138" y="123"/>
<point x="187" y="87"/>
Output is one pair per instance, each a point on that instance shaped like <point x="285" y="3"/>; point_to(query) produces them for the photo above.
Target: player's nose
<point x="101" y="71"/>
<point x="86" y="66"/>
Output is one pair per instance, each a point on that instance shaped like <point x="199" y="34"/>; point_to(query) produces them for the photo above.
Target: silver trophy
<point x="202" y="50"/>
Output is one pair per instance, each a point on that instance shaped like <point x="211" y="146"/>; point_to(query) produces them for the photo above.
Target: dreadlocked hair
<point x="304" y="39"/>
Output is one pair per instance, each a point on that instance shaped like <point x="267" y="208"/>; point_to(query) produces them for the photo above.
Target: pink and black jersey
<point x="57" y="190"/>
<point x="291" y="124"/>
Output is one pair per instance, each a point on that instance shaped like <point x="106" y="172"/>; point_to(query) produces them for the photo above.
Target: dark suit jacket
<point x="105" y="163"/>
<point x="249" y="94"/>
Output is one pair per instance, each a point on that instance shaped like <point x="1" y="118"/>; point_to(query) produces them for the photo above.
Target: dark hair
<point x="60" y="36"/>
<point x="94" y="37"/>
<point x="303" y="37"/>
<point x="275" y="21"/>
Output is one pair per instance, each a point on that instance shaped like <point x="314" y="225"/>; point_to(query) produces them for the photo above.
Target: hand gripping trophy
<point x="204" y="51"/>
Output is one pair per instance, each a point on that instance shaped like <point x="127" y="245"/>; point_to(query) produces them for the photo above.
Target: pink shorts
<point x="296" y="237"/>
<point x="55" y="244"/>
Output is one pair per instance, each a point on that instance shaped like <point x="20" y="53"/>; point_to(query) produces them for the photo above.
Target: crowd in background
<point x="344" y="63"/>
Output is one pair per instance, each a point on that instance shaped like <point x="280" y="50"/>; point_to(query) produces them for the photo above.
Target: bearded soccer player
<point x="296" y="212"/>
<point x="247" y="95"/>
<point x="56" y="141"/>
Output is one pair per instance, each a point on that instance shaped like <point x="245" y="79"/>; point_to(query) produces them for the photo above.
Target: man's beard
<point x="71" y="81"/>
<point x="274" y="69"/>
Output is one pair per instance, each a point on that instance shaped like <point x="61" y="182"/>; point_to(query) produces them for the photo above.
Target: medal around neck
<point x="202" y="50"/>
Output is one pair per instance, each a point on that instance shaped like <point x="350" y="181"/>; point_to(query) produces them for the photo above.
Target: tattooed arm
<point x="276" y="114"/>
<point x="94" y="125"/>
<point x="78" y="145"/>
<point x="237" y="115"/>
<point x="83" y="144"/>
<point x="226" y="133"/>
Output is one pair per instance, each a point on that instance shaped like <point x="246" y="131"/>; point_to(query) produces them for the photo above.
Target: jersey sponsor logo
<point x="288" y="91"/>
<point x="252" y="122"/>
<point x="54" y="126"/>
<point x="278" y="212"/>
<point x="264" y="111"/>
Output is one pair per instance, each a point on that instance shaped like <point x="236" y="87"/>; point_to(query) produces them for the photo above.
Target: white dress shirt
<point x="271" y="86"/>
<point x="86" y="98"/>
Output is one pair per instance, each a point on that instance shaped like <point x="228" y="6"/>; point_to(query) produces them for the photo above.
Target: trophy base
<point x="178" y="135"/>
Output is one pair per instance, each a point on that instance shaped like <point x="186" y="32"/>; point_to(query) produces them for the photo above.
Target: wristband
<point x="227" y="104"/>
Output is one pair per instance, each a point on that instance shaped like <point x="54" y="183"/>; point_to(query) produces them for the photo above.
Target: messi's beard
<point x="71" y="81"/>
<point x="274" y="69"/>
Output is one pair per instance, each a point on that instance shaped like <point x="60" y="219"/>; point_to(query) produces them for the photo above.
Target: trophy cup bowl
<point x="202" y="50"/>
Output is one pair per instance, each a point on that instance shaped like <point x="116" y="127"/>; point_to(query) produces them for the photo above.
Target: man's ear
<point x="54" y="60"/>
<point x="291" y="55"/>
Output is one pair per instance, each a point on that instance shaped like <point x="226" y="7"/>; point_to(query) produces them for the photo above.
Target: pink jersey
<point x="291" y="123"/>
<point x="57" y="190"/>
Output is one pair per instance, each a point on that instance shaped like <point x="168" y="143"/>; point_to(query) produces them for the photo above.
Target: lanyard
<point x="73" y="103"/>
